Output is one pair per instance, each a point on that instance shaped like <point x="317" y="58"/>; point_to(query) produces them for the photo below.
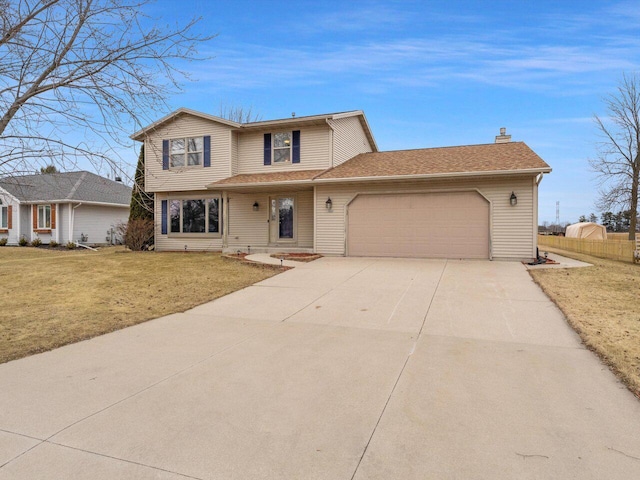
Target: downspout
<point x="331" y="131"/>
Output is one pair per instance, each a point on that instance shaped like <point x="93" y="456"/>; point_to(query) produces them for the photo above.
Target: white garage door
<point x="436" y="225"/>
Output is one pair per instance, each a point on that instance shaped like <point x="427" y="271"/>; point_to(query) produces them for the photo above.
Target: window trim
<point x="186" y="152"/>
<point x="289" y="148"/>
<point x="4" y="226"/>
<point x="206" y="233"/>
<point x="44" y="227"/>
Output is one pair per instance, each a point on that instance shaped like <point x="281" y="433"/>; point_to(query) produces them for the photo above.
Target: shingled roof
<point x="270" y="178"/>
<point x="494" y="158"/>
<point x="69" y="186"/>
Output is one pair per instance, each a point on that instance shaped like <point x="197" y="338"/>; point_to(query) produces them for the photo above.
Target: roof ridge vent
<point x="503" y="137"/>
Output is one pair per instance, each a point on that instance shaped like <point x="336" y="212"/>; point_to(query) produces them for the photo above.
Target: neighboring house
<point x="319" y="184"/>
<point x="74" y="206"/>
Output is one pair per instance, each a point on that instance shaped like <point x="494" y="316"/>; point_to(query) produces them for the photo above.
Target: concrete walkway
<point x="342" y="368"/>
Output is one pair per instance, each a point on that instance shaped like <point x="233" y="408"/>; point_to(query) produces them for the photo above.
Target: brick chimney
<point x="503" y="137"/>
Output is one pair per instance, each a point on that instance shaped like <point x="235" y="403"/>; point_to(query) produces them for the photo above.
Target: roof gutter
<point x="213" y="186"/>
<point x="67" y="200"/>
<point x="432" y="175"/>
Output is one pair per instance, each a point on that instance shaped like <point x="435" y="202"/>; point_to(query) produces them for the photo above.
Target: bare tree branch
<point x="618" y="160"/>
<point x="77" y="76"/>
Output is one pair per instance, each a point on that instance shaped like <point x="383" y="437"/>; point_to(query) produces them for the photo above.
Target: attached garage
<point x="432" y="225"/>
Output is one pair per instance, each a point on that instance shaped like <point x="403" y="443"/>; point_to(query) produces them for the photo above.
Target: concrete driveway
<point x="343" y="368"/>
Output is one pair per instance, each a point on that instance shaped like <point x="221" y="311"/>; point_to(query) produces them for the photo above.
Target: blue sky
<point x="426" y="74"/>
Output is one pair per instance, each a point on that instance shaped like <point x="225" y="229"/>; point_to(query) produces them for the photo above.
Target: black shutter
<point x="207" y="151"/>
<point x="165" y="154"/>
<point x="164" y="217"/>
<point x="267" y="149"/>
<point x="296" y="147"/>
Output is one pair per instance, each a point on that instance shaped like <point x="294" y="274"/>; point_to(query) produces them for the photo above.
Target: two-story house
<point x="319" y="184"/>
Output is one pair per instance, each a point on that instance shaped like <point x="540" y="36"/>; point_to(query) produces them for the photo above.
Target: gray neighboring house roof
<point x="67" y="187"/>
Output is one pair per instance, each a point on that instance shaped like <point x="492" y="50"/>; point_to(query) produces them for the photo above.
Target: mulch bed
<point x="297" y="257"/>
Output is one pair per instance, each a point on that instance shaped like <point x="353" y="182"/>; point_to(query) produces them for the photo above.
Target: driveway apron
<point x="341" y="368"/>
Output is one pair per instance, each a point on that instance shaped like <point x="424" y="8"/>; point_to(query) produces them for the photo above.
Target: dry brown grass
<point x="51" y="298"/>
<point x="602" y="303"/>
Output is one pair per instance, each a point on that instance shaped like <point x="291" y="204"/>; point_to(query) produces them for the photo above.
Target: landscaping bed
<point x="297" y="257"/>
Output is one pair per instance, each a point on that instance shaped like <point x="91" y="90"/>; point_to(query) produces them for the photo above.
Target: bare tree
<point x="77" y="76"/>
<point x="618" y="161"/>
<point x="239" y="114"/>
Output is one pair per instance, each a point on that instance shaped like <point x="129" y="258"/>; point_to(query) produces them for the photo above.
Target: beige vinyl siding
<point x="510" y="226"/>
<point x="168" y="243"/>
<point x="250" y="228"/>
<point x="234" y="153"/>
<point x="188" y="178"/>
<point x="349" y="139"/>
<point x="246" y="226"/>
<point x="314" y="151"/>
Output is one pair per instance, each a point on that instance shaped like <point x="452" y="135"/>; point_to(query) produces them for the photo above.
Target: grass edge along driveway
<point x="52" y="298"/>
<point x="602" y="305"/>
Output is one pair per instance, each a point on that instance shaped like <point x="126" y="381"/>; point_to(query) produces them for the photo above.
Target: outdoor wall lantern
<point x="328" y="204"/>
<point x="256" y="206"/>
<point x="0" y="201"/>
<point x="513" y="200"/>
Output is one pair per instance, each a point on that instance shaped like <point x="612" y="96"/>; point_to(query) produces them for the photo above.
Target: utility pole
<point x="557" y="215"/>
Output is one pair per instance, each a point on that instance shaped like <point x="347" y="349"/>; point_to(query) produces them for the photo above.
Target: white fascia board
<point x="139" y="135"/>
<point x="84" y="202"/>
<point x="531" y="171"/>
<point x="3" y="192"/>
<point x="258" y="184"/>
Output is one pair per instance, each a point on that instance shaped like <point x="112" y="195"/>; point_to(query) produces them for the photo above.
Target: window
<point x="195" y="216"/>
<point x="282" y="147"/>
<point x="4" y="217"/>
<point x="44" y="217"/>
<point x="189" y="150"/>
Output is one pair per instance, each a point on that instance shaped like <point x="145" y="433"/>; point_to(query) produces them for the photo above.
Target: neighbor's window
<point x="187" y="150"/>
<point x="282" y="147"/>
<point x="4" y="217"/>
<point x="44" y="216"/>
<point x="195" y="215"/>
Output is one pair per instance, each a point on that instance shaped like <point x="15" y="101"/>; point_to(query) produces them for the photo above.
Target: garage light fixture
<point x="513" y="200"/>
<point x="256" y="206"/>
<point x="328" y="204"/>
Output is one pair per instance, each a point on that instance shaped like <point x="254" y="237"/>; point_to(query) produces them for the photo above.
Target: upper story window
<point x="44" y="217"/>
<point x="4" y="217"/>
<point x="282" y="147"/>
<point x="186" y="151"/>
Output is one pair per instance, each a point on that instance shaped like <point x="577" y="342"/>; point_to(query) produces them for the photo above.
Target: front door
<point x="282" y="220"/>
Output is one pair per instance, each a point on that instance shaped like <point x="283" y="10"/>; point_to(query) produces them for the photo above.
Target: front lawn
<point x="602" y="303"/>
<point x="50" y="298"/>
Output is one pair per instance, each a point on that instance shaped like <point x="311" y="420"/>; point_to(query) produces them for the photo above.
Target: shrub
<point x="36" y="242"/>
<point x="137" y="233"/>
<point x="23" y="241"/>
<point x="53" y="244"/>
<point x="3" y="241"/>
<point x="71" y="245"/>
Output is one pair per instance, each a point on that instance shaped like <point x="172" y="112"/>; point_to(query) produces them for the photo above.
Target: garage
<point x="428" y="225"/>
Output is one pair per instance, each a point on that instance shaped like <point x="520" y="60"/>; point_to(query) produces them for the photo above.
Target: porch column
<point x="225" y="219"/>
